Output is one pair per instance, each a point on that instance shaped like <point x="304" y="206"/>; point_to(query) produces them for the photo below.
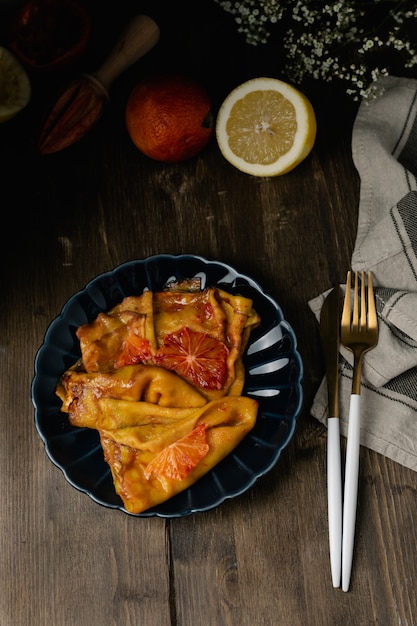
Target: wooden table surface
<point x="261" y="558"/>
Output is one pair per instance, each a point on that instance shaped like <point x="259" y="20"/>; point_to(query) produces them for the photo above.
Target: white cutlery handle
<point x="334" y="495"/>
<point x="351" y="489"/>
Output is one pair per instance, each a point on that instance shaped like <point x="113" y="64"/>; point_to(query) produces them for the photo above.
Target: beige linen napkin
<point x="384" y="148"/>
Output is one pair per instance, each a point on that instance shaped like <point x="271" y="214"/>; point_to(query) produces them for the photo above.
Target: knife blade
<point x="330" y="339"/>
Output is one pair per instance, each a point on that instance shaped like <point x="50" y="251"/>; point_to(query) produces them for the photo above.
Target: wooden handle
<point x="140" y="36"/>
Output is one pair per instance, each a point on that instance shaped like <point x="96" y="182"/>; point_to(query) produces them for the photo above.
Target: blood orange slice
<point x="196" y="356"/>
<point x="179" y="458"/>
<point x="134" y="350"/>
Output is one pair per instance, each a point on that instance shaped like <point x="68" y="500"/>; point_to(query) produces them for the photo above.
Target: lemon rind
<point x="22" y="86"/>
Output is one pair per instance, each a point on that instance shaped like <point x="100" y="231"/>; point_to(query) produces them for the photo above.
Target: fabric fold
<point x="384" y="150"/>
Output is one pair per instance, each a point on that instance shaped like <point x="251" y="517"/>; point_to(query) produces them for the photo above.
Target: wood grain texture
<point x="262" y="558"/>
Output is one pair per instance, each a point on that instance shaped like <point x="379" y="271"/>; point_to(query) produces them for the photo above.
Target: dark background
<point x="198" y="38"/>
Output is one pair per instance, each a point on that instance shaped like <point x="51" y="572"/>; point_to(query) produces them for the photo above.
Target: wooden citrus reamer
<point x="82" y="103"/>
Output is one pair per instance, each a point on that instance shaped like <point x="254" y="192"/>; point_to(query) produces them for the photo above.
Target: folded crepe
<point x="160" y="429"/>
<point x="136" y="331"/>
<point x="166" y="450"/>
<point x="80" y="390"/>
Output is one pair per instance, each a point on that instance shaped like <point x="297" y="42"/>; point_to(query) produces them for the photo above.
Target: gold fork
<point x="358" y="333"/>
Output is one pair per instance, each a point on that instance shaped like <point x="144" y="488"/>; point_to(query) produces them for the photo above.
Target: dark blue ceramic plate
<point x="273" y="376"/>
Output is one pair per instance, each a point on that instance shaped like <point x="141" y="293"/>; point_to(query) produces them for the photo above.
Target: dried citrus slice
<point x="179" y="458"/>
<point x="196" y="356"/>
<point x="15" y="88"/>
<point x="265" y="127"/>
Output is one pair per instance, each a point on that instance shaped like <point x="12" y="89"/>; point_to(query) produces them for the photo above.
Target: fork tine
<point x="364" y="317"/>
<point x="355" y="315"/>
<point x="345" y="321"/>
<point x="372" y="319"/>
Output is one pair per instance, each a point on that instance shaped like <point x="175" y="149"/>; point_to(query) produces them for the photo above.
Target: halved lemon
<point x="15" y="87"/>
<point x="265" y="127"/>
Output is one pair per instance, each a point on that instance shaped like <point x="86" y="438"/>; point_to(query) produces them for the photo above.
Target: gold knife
<point x="330" y="331"/>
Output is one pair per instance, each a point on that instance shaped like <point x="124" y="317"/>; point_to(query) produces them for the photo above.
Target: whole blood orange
<point x="168" y="117"/>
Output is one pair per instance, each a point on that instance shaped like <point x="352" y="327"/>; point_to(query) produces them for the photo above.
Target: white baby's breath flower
<point x="320" y="38"/>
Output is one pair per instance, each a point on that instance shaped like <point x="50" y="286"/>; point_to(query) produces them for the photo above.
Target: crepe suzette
<point x="161" y="378"/>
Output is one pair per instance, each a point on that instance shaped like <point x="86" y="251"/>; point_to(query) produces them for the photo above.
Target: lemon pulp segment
<point x="261" y="127"/>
